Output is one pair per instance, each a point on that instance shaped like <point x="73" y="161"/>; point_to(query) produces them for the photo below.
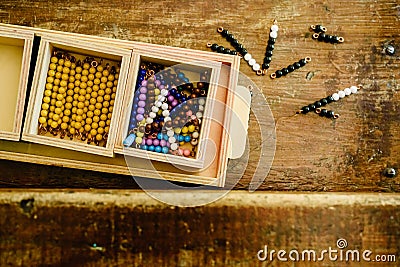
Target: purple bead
<point x="139" y="117"/>
<point x="161" y="87"/>
<point x="156" y="142"/>
<point x="142" y="97"/>
<point x="149" y="142"/>
<point x="143" y="90"/>
<point x="168" y="144"/>
<point x="163" y="143"/>
<point x="157" y="82"/>
<point x="142" y="104"/>
<point x="171" y="98"/>
<point x="143" y="141"/>
<point x="140" y="110"/>
<point x="144" y="83"/>
<point x="174" y="103"/>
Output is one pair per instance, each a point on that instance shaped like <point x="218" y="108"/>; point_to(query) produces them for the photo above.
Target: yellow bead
<point x="107" y="129"/>
<point x="49" y="86"/>
<point x="92" y="70"/>
<point x="91" y="77"/>
<point x="95" y="125"/>
<point x="50" y="79"/>
<point x="106" y="73"/>
<point x="108" y="122"/>
<point x="55" y="117"/>
<point x="62" y="90"/>
<point x="86" y="66"/>
<point x="45" y="106"/>
<point x="96" y="118"/>
<point x="52" y="108"/>
<point x="89" y="114"/>
<point x="79" y="111"/>
<point x="87" y="128"/>
<point x="63" y="83"/>
<point x="84" y="78"/>
<point x="98" y="106"/>
<point x="53" y="95"/>
<point x="185" y="129"/>
<point x="177" y="130"/>
<point x="103" y="86"/>
<point x="89" y="120"/>
<point x="53" y="102"/>
<point x="72" y="131"/>
<point x="54" y="124"/>
<point x="59" y="97"/>
<point x="109" y="115"/>
<point x="139" y="134"/>
<point x="61" y="61"/>
<point x="101" y="92"/>
<point x="85" y="72"/>
<point x="191" y="128"/>
<point x="65" y="119"/>
<point x="102" y="124"/>
<point x="78" y="118"/>
<point x="65" y="70"/>
<point x="64" y="126"/>
<point x="112" y="102"/>
<point x="78" y="70"/>
<point x="47" y="92"/>
<point x="100" y="130"/>
<point x="81" y="98"/>
<point x="107" y="97"/>
<point x="111" y="77"/>
<point x="51" y="73"/>
<point x="58" y="75"/>
<point x="94" y="94"/>
<point x="85" y="109"/>
<point x="54" y="59"/>
<point x="104" y="110"/>
<point x="59" y="69"/>
<point x="93" y="132"/>
<point x="156" y="91"/>
<point x="96" y="81"/>
<point x="42" y="120"/>
<point x="57" y="111"/>
<point x="91" y="107"/>
<point x="99" y="137"/>
<point x="46" y="99"/>
<point x="109" y="84"/>
<point x="44" y="113"/>
<point x="138" y="140"/>
<point x="67" y="112"/>
<point x="99" y="99"/>
<point x="78" y="125"/>
<point x="86" y="103"/>
<point x="106" y="104"/>
<point x="93" y="101"/>
<point x="103" y="117"/>
<point x="72" y="72"/>
<point x="103" y="79"/>
<point x="81" y="130"/>
<point x="59" y="103"/>
<point x="97" y="112"/>
<point x="67" y="63"/>
<point x="89" y="90"/>
<point x="81" y="105"/>
<point x="113" y="96"/>
<point x="83" y="85"/>
<point x="89" y="83"/>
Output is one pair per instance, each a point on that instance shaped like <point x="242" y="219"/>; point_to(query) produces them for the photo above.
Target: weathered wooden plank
<point x="313" y="154"/>
<point x="128" y="228"/>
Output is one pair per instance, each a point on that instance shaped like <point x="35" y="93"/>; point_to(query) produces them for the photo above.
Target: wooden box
<point x="209" y="167"/>
<point x="15" y="53"/>
<point x="49" y="46"/>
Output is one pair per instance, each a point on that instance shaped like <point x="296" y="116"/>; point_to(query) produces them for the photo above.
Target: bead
<point x="186" y="152"/>
<point x="335" y="96"/>
<point x="174" y="146"/>
<point x="187" y="138"/>
<point x="273" y="34"/>
<point x="274" y="28"/>
<point x="150" y="148"/>
<point x="323" y="113"/>
<point x="149" y="120"/>
<point x="317" y="104"/>
<point x="347" y="91"/>
<point x="164" y="150"/>
<point x="329" y="99"/>
<point x="195" y="135"/>
<point x="172" y="139"/>
<point x="341" y="94"/>
<point x="305" y="110"/>
<point x="353" y="89"/>
<point x="256" y="67"/>
<point x="247" y="57"/>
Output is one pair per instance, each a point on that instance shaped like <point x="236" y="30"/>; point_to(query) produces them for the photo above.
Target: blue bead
<point x="178" y="95"/>
<point x="187" y="138"/>
<point x="165" y="137"/>
<point x="142" y="72"/>
<point x="173" y="91"/>
<point x="196" y="107"/>
<point x="150" y="148"/>
<point x="165" y="150"/>
<point x="144" y="147"/>
<point x="160" y="136"/>
<point x="157" y="149"/>
<point x="186" y="80"/>
<point x="183" y="99"/>
<point x="181" y="138"/>
<point x="129" y="140"/>
<point x="181" y="75"/>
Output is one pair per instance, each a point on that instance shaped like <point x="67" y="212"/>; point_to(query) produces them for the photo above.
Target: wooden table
<point x="349" y="154"/>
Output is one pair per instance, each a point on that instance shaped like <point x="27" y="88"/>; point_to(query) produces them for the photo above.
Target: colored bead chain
<point x="270" y="47"/>
<point x="318" y="28"/>
<point x="316" y="106"/>
<point x="78" y="98"/>
<point x="322" y="37"/>
<point x="290" y="68"/>
<point x="220" y="49"/>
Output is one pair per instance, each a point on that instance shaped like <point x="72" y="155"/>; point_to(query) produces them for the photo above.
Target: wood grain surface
<point x="312" y="153"/>
<point x="129" y="228"/>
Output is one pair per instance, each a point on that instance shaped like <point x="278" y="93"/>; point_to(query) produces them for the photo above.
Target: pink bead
<point x="142" y="97"/>
<point x="180" y="151"/>
<point x="168" y="144"/>
<point x="143" y="141"/>
<point x="144" y="83"/>
<point x="156" y="142"/>
<point x="193" y="117"/>
<point x="157" y="82"/>
<point x="186" y="152"/>
<point x="141" y="103"/>
<point x="189" y="113"/>
<point x="173" y="104"/>
<point x="171" y="98"/>
<point x="143" y="90"/>
<point x="149" y="142"/>
<point x="161" y="87"/>
<point x="163" y="143"/>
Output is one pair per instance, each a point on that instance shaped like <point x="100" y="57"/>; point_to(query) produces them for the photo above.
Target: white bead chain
<point x="346" y="92"/>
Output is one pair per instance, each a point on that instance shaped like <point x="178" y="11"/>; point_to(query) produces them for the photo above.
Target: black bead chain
<point x="318" y="28"/>
<point x="234" y="42"/>
<point x="290" y="68"/>
<point x="269" y="50"/>
<point x="327" y="38"/>
<point x="220" y="49"/>
<point x="317" y="104"/>
<point x="327" y="113"/>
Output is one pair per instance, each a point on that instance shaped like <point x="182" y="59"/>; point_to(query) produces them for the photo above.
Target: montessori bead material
<point x="327" y="113"/>
<point x="290" y="68"/>
<point x="327" y="38"/>
<point x="220" y="49"/>
<point x="270" y="47"/>
<point x="318" y="28"/>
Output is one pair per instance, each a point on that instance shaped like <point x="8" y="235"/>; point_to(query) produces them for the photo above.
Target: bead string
<point x="318" y="28"/>
<point x="297" y="65"/>
<point x="322" y="37"/>
<point x="220" y="49"/>
<point x="270" y="47"/>
<point x="316" y="106"/>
